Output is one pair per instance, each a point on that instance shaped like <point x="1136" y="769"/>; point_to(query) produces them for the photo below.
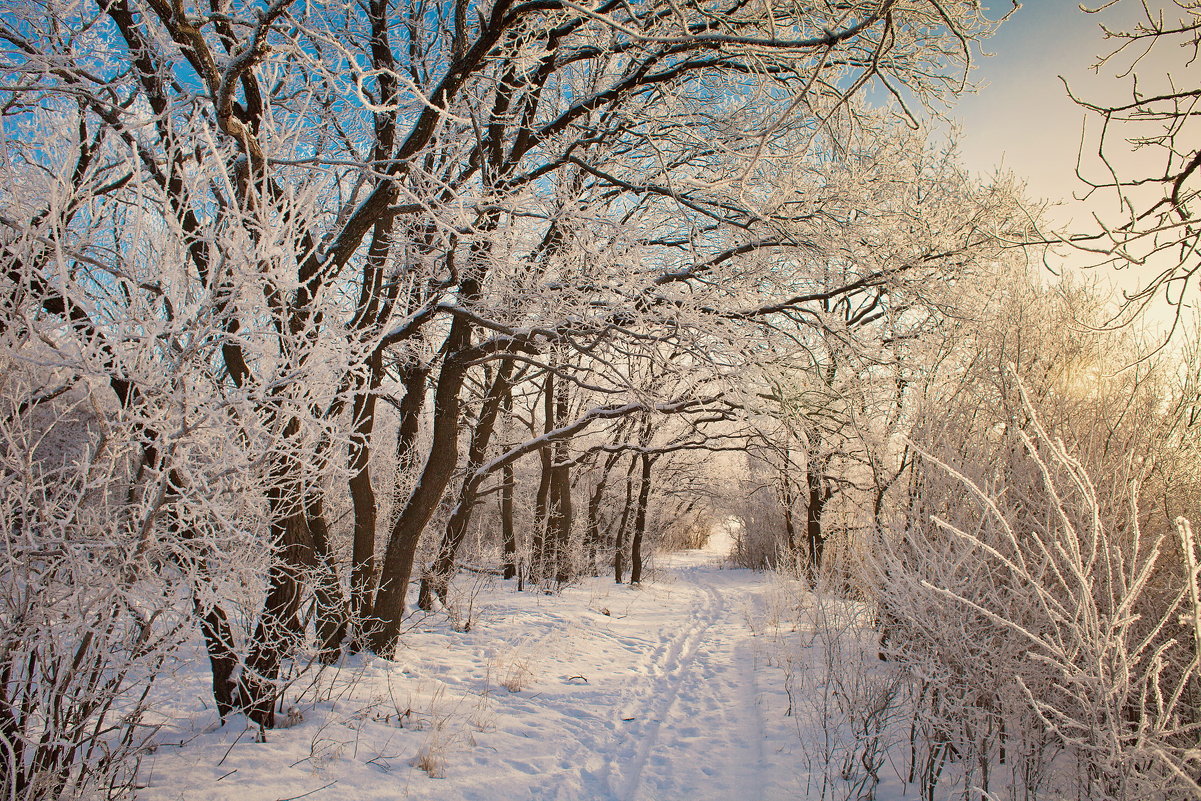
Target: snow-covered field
<point x="675" y="690"/>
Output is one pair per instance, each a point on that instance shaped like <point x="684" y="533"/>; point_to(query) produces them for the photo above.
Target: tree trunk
<point x="538" y="550"/>
<point x="377" y="298"/>
<point x="819" y="495"/>
<point x="592" y="535"/>
<point x="437" y="581"/>
<point x="223" y="659"/>
<point x="620" y="540"/>
<point x="538" y="554"/>
<point x="397" y="567"/>
<point x="278" y="629"/>
<point x="508" y="534"/>
<point x="786" y="501"/>
<point x="363" y="561"/>
<point x="559" y="520"/>
<point x="213" y="622"/>
<point x="327" y="589"/>
<point x="644" y="494"/>
<point x="362" y="498"/>
<point x="592" y="530"/>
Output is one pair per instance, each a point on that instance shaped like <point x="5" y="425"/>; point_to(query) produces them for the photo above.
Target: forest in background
<point x="306" y="307"/>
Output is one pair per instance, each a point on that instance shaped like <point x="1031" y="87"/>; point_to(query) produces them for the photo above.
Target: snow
<point x="672" y="690"/>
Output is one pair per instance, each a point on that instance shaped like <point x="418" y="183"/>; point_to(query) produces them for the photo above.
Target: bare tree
<point x="1144" y="156"/>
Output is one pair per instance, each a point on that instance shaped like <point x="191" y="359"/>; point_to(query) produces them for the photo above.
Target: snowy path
<point x="703" y="729"/>
<point x="689" y="724"/>
<point x="613" y="694"/>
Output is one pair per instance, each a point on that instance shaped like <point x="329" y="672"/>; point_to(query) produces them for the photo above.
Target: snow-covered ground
<point x="675" y="690"/>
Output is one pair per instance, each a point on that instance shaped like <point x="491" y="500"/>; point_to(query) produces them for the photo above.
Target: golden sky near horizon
<point x="1023" y="120"/>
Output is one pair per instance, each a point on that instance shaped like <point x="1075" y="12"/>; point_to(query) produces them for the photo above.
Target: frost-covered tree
<point x="254" y="221"/>
<point x="836" y="376"/>
<point x="1034" y="569"/>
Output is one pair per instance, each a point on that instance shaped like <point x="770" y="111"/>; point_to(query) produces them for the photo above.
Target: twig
<point x="310" y="792"/>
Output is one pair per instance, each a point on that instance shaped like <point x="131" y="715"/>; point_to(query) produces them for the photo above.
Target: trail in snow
<point x="689" y="723"/>
<point x="703" y="731"/>
<point x="617" y="694"/>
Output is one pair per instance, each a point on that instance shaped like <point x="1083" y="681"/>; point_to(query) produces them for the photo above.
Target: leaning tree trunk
<point x="223" y="659"/>
<point x="437" y="581"/>
<point x="210" y="616"/>
<point x="397" y="567"/>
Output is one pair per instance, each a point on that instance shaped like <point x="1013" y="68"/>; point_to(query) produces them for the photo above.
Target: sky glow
<point x="1022" y="119"/>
